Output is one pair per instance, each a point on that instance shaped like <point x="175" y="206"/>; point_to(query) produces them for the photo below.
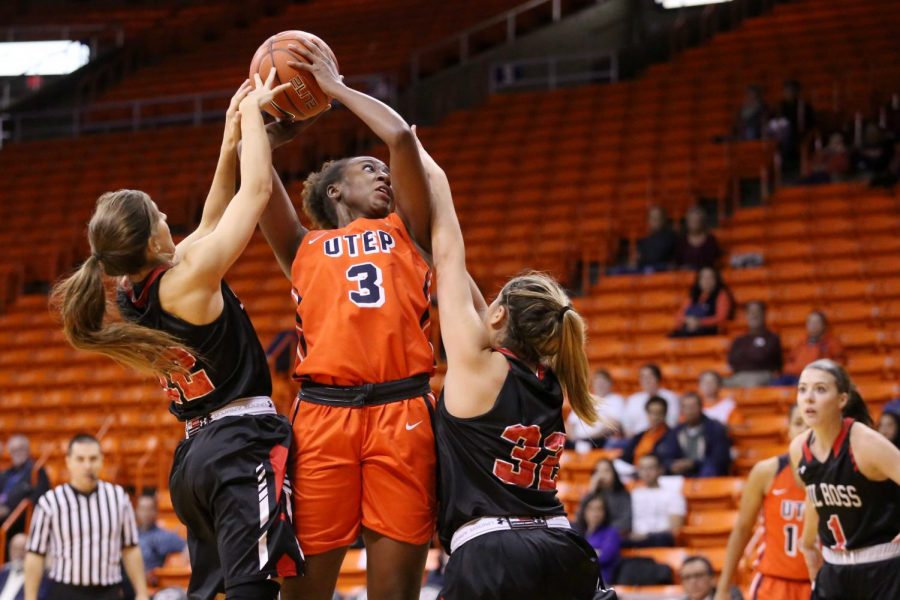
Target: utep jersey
<point x="783" y="521"/>
<point x="505" y="462"/>
<point x="854" y="512"/>
<point x="363" y="298"/>
<point x="230" y="362"/>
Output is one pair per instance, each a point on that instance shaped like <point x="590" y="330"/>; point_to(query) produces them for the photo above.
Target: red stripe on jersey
<point x="141" y="300"/>
<point x="845" y="429"/>
<point x="807" y="453"/>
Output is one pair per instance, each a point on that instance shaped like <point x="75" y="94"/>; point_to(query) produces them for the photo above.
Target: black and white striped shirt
<point x="83" y="534"/>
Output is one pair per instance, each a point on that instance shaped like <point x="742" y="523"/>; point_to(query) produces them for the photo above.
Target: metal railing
<point x="134" y="115"/>
<point x="24" y="508"/>
<point x="551" y="72"/>
<point x="463" y="44"/>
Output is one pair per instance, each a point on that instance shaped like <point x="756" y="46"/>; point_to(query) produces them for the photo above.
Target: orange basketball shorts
<point x="371" y="466"/>
<point x="766" y="587"/>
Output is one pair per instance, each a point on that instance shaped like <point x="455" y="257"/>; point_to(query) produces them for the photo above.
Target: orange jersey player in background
<point x="364" y="457"/>
<point x="780" y="572"/>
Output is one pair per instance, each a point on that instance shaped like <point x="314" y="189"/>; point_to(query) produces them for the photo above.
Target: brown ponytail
<point x="543" y="327"/>
<point x="118" y="233"/>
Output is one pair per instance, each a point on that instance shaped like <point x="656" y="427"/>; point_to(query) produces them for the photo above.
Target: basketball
<point x="305" y="99"/>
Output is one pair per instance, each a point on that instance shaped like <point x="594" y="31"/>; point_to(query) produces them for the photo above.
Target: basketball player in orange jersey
<point x="781" y="573"/>
<point x="364" y="451"/>
<point x="852" y="478"/>
<point x="182" y="322"/>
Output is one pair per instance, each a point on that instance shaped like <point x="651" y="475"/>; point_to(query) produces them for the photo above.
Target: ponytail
<point x="857" y="409"/>
<point x="571" y="367"/>
<point x="82" y="304"/>
<point x="118" y="233"/>
<point x="543" y="327"/>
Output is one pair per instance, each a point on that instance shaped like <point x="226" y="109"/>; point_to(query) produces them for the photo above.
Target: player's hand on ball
<point x="262" y="92"/>
<point x="315" y="60"/>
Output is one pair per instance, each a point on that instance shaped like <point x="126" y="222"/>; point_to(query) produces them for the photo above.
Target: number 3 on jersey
<point x="369" y="292"/>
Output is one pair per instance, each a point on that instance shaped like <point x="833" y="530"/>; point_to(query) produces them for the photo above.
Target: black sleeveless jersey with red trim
<point x="504" y="462"/>
<point x="854" y="512"/>
<point x="230" y="362"/>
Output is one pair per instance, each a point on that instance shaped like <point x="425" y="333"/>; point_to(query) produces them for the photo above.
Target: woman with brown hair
<point x="182" y="323"/>
<point x="499" y="428"/>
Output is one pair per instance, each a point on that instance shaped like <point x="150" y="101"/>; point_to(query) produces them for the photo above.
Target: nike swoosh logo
<point x="413" y="426"/>
<point x="316" y="239"/>
<point x="779" y="492"/>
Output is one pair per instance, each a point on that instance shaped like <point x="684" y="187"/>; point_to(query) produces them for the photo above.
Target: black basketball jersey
<point x="854" y="512"/>
<point x="230" y="364"/>
<point x="504" y="462"/>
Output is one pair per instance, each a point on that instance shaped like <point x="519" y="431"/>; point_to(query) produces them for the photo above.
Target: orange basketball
<point x="304" y="99"/>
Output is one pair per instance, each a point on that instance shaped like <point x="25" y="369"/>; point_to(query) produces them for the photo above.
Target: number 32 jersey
<point x="505" y="462"/>
<point x="231" y="363"/>
<point x="363" y="299"/>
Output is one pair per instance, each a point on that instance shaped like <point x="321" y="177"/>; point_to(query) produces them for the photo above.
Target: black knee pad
<point x="253" y="590"/>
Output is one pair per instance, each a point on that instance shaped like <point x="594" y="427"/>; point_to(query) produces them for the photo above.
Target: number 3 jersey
<point x="363" y="299"/>
<point x="854" y="512"/>
<point x="229" y="364"/>
<point x="504" y="462"/>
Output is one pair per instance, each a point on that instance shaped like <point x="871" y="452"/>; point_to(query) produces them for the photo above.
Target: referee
<point x="86" y="527"/>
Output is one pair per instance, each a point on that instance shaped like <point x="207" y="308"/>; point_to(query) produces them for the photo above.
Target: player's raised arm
<point x="209" y="258"/>
<point x="407" y="176"/>
<point x="221" y="190"/>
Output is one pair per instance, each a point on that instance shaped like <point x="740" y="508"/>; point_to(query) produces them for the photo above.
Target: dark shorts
<point x="62" y="591"/>
<point x="526" y="564"/>
<point x="869" y="581"/>
<point x="228" y="487"/>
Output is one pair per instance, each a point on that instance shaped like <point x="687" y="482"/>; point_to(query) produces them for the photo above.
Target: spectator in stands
<point x="830" y="163"/>
<point x="799" y="118"/>
<point x="658" y="512"/>
<point x="657" y="439"/>
<point x="752" y="117"/>
<point x="873" y="157"/>
<point x="755" y="357"/>
<point x="12" y="575"/>
<point x="650" y="378"/>
<point x="697" y="246"/>
<point x="606" y="481"/>
<point x="703" y="442"/>
<point x="656" y="250"/>
<point x="593" y="522"/>
<point x="818" y="344"/>
<point x="698" y="579"/>
<point x="20" y="481"/>
<point x="610" y="406"/>
<point x="889" y="427"/>
<point x="708" y="307"/>
<point x="715" y="406"/>
<point x="156" y="543"/>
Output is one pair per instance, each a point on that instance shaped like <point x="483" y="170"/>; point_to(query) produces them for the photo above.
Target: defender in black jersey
<point x="498" y="475"/>
<point x="499" y="429"/>
<point x="184" y="324"/>
<point x="851" y="474"/>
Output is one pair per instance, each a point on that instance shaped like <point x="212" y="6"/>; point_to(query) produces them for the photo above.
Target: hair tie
<point x="564" y="310"/>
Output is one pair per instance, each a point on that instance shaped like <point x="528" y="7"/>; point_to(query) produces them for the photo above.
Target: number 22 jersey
<point x="363" y="299"/>
<point x="230" y="362"/>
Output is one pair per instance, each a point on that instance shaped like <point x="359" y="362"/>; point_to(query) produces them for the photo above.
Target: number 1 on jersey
<point x="834" y="526"/>
<point x="369" y="293"/>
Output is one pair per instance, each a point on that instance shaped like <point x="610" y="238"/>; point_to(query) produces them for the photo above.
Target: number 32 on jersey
<point x="523" y="469"/>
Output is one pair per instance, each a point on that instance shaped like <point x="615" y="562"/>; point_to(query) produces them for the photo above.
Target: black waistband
<point x="368" y="394"/>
